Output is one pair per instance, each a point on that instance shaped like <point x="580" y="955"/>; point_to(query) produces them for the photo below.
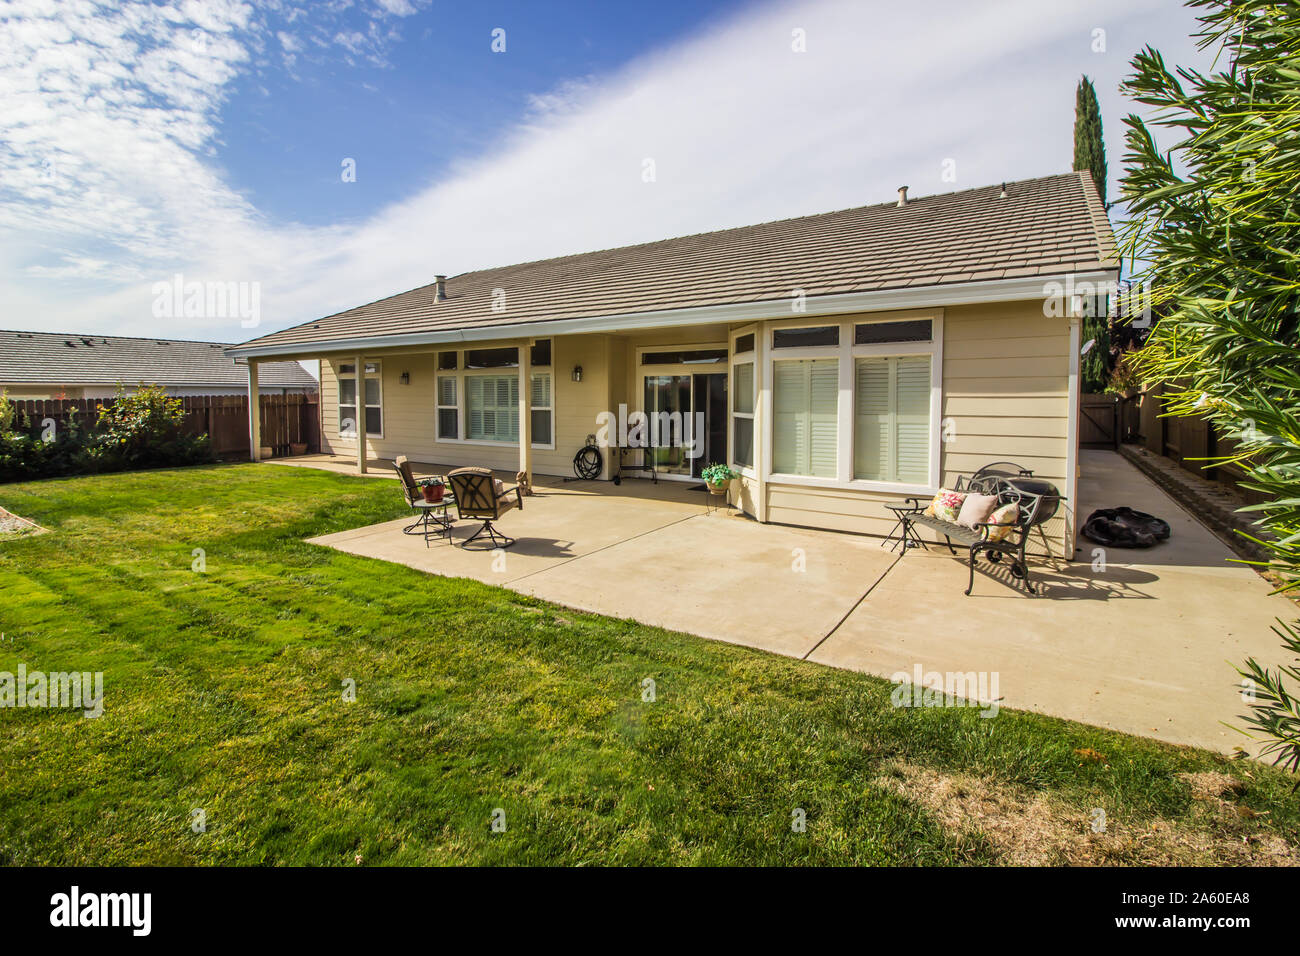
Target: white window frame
<point x="548" y="373"/>
<point x="360" y="397"/>
<point x="462" y="376"/>
<point x="847" y="353"/>
<point x="743" y="358"/>
<point x="439" y="407"/>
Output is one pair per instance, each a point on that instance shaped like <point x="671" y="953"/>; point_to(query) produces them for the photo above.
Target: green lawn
<point x="223" y="691"/>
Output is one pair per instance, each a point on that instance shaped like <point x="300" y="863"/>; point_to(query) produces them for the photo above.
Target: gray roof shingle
<point x="53" y="358"/>
<point x="1046" y="226"/>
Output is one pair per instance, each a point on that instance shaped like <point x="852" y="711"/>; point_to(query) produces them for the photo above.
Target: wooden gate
<point x="1099" y="422"/>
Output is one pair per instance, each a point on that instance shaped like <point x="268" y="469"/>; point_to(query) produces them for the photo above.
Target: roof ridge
<point x="1096" y="215"/>
<point x="103" y="335"/>
<point x="752" y="225"/>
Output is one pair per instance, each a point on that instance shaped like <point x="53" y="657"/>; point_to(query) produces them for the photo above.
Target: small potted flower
<point x="718" y="478"/>
<point x="433" y="489"/>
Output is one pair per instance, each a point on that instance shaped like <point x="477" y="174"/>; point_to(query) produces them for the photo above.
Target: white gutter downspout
<point x="1072" y="442"/>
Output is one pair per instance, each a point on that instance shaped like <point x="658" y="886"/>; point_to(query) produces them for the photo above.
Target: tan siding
<point x="410" y="410"/>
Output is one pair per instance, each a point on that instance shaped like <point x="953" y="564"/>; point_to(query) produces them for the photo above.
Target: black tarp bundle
<point x="1125" y="528"/>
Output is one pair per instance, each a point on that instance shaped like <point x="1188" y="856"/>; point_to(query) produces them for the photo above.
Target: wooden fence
<point x="287" y="420"/>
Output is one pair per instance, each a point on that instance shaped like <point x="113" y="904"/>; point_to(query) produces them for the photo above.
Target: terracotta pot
<point x="267" y="451"/>
<point x="297" y="448"/>
<point x="433" y="493"/>
<point x="717" y="489"/>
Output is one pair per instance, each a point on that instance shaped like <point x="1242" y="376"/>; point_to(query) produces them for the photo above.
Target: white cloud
<point x="109" y="179"/>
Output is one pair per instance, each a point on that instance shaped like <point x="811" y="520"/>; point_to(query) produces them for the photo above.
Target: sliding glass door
<point x="692" y="414"/>
<point x="668" y="402"/>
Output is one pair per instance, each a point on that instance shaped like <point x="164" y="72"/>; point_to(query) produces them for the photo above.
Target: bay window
<point x="855" y="402"/>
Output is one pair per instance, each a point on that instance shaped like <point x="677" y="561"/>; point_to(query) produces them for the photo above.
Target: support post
<point x="525" y="411"/>
<point x="254" y="414"/>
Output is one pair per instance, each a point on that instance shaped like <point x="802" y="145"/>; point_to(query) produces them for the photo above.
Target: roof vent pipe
<point x="902" y="195"/>
<point x="439" y="288"/>
<point x="1003" y="194"/>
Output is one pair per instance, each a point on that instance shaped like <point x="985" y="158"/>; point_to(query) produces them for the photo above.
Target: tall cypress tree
<point x="1089" y="150"/>
<point x="1090" y="154"/>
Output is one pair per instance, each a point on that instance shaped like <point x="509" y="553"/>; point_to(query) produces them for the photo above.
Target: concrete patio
<point x="1142" y="645"/>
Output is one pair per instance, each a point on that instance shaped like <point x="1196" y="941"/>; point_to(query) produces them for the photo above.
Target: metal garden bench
<point x="1037" y="502"/>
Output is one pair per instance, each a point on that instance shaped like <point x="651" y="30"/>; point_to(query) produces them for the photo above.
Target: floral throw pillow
<point x="1005" y="517"/>
<point x="946" y="505"/>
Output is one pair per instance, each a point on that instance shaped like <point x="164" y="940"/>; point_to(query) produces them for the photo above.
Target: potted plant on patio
<point x="718" y="478"/>
<point x="432" y="489"/>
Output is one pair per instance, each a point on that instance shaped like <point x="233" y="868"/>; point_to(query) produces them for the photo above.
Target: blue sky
<point x="435" y="92"/>
<point x="142" y="140"/>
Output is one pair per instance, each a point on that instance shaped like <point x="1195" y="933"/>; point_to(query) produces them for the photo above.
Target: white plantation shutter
<point x="823" y="417"/>
<point x="743" y="400"/>
<point x="447" y="390"/>
<point x="912" y="419"/>
<point x="493" y="407"/>
<point x="871" y="419"/>
<point x="540" y="393"/>
<point x="540" y="400"/>
<point x="474" y="386"/>
<point x="891" y="429"/>
<point x="804" y="419"/>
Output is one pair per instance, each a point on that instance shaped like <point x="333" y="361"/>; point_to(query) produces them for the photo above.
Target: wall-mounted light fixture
<point x="577" y="373"/>
<point x="406" y="378"/>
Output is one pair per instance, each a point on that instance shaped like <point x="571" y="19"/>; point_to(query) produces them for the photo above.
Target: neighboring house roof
<point x="52" y="358"/>
<point x="1047" y="226"/>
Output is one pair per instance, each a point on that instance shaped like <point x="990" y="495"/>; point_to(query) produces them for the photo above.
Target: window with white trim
<point x="372" y="398"/>
<point x="742" y="389"/>
<point x="492" y="407"/>
<point x="805" y="399"/>
<point x="542" y="410"/>
<point x="891" y="418"/>
<point x="856" y="402"/>
<point x="448" y="407"/>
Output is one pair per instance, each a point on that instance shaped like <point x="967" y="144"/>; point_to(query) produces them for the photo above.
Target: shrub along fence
<point x="289" y="422"/>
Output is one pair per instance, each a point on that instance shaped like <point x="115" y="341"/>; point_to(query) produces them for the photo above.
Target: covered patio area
<point x="1141" y="642"/>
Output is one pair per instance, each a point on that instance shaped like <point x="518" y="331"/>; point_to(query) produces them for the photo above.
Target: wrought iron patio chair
<point x="481" y="497"/>
<point x="433" y="515"/>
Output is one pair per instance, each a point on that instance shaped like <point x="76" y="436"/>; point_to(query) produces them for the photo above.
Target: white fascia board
<point x="958" y="293"/>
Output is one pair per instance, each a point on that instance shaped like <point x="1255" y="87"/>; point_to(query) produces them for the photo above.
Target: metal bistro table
<point x="434" y="520"/>
<point x="903" y="532"/>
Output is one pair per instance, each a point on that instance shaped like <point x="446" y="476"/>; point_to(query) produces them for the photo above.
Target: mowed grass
<point x="224" y="692"/>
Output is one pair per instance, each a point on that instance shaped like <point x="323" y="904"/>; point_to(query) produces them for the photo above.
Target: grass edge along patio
<point x="841" y="361"/>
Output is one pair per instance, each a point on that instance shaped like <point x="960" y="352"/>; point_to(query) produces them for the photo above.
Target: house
<point x="53" y="365"/>
<point x="839" y="361"/>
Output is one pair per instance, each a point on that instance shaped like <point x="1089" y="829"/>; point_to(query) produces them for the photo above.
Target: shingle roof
<point x="52" y="358"/>
<point x="1046" y="226"/>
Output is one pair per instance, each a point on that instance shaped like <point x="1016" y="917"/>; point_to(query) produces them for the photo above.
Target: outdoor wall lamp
<point x="406" y="378"/>
<point x="577" y="373"/>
